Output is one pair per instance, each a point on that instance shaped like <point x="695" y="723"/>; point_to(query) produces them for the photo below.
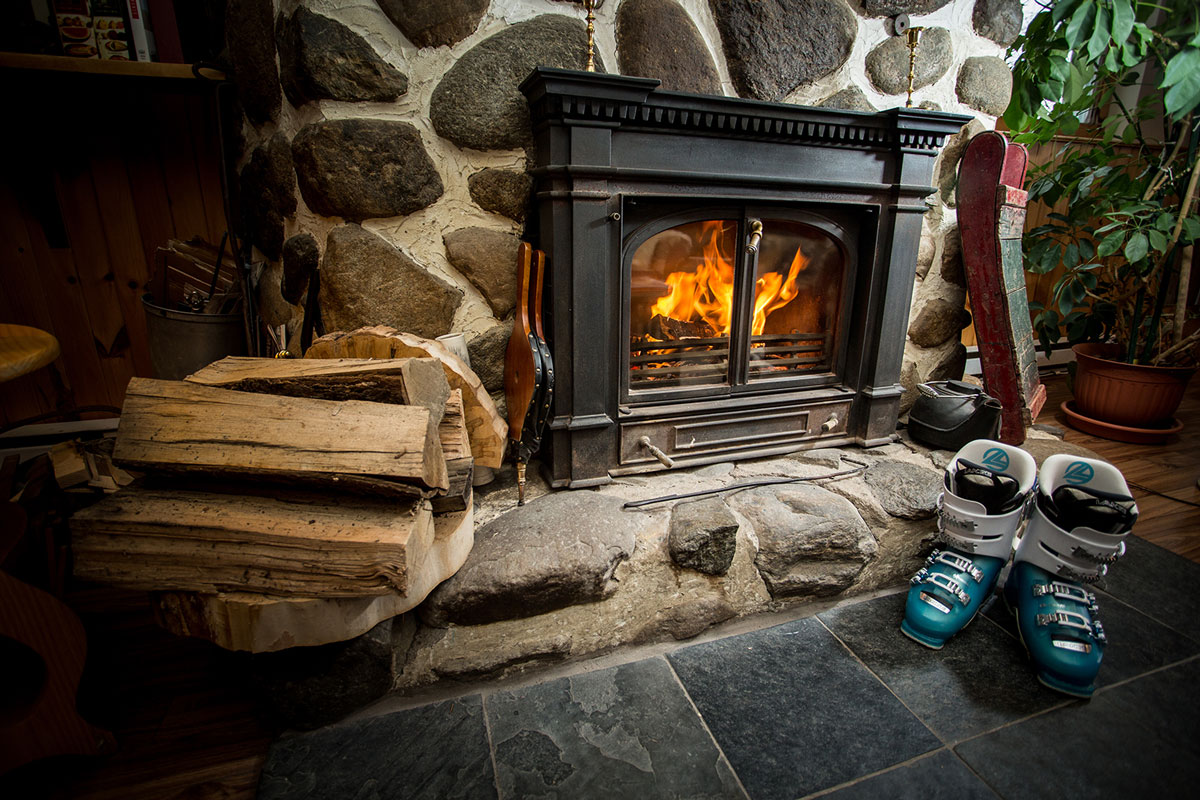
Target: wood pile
<point x="289" y="502"/>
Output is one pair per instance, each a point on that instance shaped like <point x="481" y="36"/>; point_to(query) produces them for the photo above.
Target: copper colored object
<point x="529" y="370"/>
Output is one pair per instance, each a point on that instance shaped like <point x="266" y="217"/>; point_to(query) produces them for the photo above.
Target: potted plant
<point x="1120" y="80"/>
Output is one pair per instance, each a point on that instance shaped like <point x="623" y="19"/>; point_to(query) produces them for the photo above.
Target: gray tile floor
<point x="838" y="705"/>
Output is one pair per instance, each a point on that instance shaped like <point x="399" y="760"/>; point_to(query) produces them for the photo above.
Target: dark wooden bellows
<point x="529" y="369"/>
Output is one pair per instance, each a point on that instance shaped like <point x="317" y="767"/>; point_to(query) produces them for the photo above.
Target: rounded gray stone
<point x="904" y="490"/>
<point x="890" y="8"/>
<point x="556" y="551"/>
<point x="849" y="99"/>
<point x="998" y="20"/>
<point x="937" y="322"/>
<point x="503" y="191"/>
<point x="268" y="194"/>
<point x="812" y="543"/>
<point x="366" y="281"/>
<point x="951" y="268"/>
<point x="487" y="355"/>
<point x="364" y="168"/>
<point x="657" y="39"/>
<point x="946" y="178"/>
<point x="434" y="23"/>
<point x="949" y="363"/>
<point x="250" y="36"/>
<point x="774" y="46"/>
<point x="313" y="686"/>
<point x="488" y="259"/>
<point x="477" y="103"/>
<point x="985" y="83"/>
<point x="703" y="536"/>
<point x="887" y="64"/>
<point x="301" y="256"/>
<point x="322" y="59"/>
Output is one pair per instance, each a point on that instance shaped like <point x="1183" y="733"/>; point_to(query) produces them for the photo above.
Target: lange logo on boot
<point x="1079" y="473"/>
<point x="996" y="459"/>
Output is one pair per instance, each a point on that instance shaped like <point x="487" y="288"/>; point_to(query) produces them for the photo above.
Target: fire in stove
<point x="686" y="309"/>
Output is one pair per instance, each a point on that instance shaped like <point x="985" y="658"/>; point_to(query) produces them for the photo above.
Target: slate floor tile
<point x="941" y="776"/>
<point x="978" y="681"/>
<point x="1136" y="643"/>
<point x="430" y="752"/>
<point x="1139" y="739"/>
<point x="628" y="731"/>
<point x="794" y="712"/>
<point x="1159" y="583"/>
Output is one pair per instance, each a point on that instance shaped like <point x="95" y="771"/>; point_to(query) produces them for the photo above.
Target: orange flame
<point x="707" y="292"/>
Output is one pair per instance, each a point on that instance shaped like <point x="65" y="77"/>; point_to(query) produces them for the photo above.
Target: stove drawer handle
<point x="666" y="460"/>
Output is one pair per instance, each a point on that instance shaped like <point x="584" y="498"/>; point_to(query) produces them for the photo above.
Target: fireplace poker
<point x="859" y="467"/>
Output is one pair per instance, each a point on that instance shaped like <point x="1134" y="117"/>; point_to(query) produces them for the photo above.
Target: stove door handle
<point x="756" y="233"/>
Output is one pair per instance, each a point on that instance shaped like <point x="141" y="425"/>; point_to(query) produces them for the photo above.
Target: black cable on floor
<point x="1160" y="494"/>
<point x="737" y="487"/>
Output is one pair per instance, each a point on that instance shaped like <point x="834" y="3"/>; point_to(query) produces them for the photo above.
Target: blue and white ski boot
<point x="987" y="489"/>
<point x="1078" y="527"/>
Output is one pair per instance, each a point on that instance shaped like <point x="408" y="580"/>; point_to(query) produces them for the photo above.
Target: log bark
<point x="263" y="623"/>
<point x="488" y="432"/>
<point x="295" y="543"/>
<point x="175" y="426"/>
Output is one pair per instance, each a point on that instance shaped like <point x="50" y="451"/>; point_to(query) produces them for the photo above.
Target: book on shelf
<point x="136" y="12"/>
<point x="112" y="34"/>
<point x="75" y="28"/>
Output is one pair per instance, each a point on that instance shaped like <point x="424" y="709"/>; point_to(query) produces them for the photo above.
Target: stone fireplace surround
<point x="388" y="140"/>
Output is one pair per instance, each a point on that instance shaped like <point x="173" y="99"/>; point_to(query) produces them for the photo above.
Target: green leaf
<point x="1065" y="303"/>
<point x="1191" y="227"/>
<point x="1183" y="78"/>
<point x="1089" y="279"/>
<point x="1101" y="34"/>
<point x="1165" y="221"/>
<point x="1079" y="29"/>
<point x="1061" y="10"/>
<point x="1122" y="20"/>
<point x="1110" y="60"/>
<point x="1087" y="249"/>
<point x="1158" y="239"/>
<point x="1110" y="244"/>
<point x="1137" y="247"/>
<point x="1071" y="256"/>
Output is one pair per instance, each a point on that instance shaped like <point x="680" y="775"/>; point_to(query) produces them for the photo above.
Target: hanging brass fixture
<point x="590" y="5"/>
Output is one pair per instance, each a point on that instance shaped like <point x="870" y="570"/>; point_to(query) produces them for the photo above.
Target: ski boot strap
<point x="1068" y="592"/>
<point x="956" y="561"/>
<point x="1081" y="554"/>
<point x="965" y="525"/>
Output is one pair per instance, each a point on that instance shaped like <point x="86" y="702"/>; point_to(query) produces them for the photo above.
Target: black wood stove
<point x="727" y="278"/>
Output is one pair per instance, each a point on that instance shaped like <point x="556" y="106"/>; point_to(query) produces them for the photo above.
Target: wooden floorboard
<point x="191" y="726"/>
<point x="1172" y="468"/>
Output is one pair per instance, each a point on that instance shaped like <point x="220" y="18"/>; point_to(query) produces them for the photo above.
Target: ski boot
<point x="987" y="486"/>
<point x="1082" y="514"/>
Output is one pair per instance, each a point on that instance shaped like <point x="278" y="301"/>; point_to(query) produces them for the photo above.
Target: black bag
<point x="948" y="414"/>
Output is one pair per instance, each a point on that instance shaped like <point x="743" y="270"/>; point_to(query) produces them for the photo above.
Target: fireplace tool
<point x="529" y="369"/>
<point x="902" y="27"/>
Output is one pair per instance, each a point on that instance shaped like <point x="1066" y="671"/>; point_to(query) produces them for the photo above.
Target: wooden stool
<point x="24" y="349"/>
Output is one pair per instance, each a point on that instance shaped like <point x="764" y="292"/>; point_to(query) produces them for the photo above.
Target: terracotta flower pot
<point x="1134" y="395"/>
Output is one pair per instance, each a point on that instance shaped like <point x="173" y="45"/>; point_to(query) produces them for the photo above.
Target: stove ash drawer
<point x="741" y="433"/>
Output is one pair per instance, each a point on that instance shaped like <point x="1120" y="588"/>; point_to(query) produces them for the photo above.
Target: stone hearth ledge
<point x="796" y="543"/>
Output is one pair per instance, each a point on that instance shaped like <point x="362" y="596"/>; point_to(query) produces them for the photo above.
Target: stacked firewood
<point x="293" y="490"/>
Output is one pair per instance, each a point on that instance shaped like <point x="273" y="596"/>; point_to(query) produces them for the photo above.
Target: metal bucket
<point x="182" y="342"/>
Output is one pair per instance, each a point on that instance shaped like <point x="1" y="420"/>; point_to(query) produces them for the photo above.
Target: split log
<point x="287" y="543"/>
<point x="335" y="379"/>
<point x="456" y="446"/>
<point x="666" y="329"/>
<point x="488" y="432"/>
<point x="175" y="426"/>
<point x="263" y="623"/>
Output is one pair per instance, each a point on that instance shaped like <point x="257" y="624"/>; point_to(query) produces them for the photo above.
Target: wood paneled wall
<point x="102" y="171"/>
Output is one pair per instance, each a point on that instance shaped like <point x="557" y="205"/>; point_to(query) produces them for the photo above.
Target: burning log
<point x="666" y="329"/>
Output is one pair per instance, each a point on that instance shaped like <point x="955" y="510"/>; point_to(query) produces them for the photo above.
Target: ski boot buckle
<point x="1071" y="619"/>
<point x="1066" y="591"/>
<point x="942" y="582"/>
<point x="955" y="561"/>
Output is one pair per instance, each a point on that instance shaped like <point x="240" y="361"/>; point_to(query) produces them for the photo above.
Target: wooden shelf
<point x="93" y="66"/>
